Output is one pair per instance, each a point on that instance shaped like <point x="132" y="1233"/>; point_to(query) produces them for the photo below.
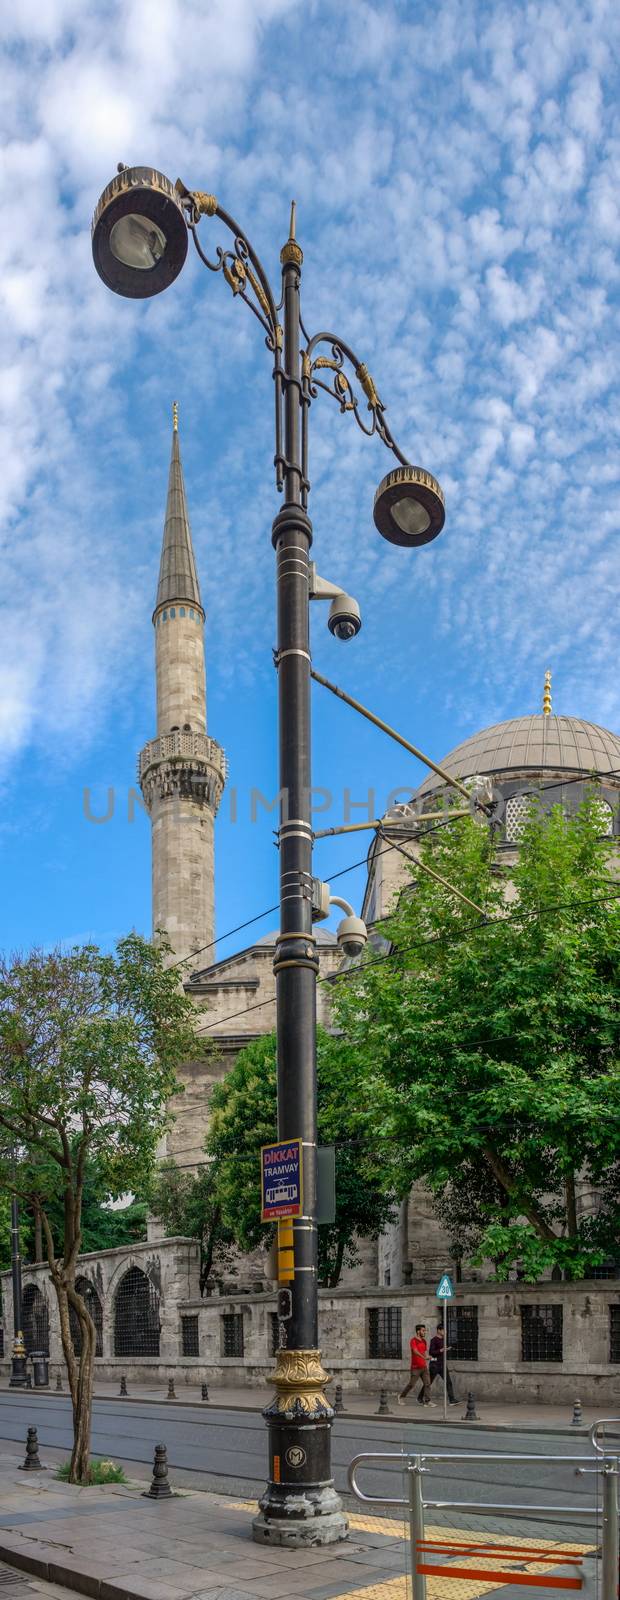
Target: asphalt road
<point x="226" y="1450"/>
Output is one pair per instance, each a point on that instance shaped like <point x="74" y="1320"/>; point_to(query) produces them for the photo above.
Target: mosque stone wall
<point x="493" y="1323"/>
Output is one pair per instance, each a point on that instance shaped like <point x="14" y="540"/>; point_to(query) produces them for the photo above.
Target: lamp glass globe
<point x="137" y="242"/>
<point x="411" y="515"/>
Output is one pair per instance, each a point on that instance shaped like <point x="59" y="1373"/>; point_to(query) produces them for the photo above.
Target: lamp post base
<point x="300" y="1505"/>
<point x="19" y="1375"/>
<point x="296" y="1534"/>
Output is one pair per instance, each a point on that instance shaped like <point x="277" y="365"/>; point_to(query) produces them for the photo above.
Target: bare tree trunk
<point x="80" y="1371"/>
<point x="82" y="1409"/>
<point x="334" y="1277"/>
<point x="38" y="1237"/>
<point x="571" y="1205"/>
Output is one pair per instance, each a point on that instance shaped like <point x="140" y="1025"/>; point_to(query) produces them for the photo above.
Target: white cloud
<point x="457" y="178"/>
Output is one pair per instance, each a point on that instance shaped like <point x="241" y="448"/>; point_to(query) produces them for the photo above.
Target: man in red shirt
<point x="419" y="1367"/>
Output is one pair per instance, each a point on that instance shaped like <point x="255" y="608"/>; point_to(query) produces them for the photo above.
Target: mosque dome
<point x="542" y="743"/>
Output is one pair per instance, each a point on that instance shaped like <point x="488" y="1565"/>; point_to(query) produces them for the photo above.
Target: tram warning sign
<point x="445" y="1288"/>
<point x="281" y="1180"/>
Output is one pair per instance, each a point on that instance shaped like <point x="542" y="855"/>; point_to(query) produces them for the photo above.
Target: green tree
<point x="5" y="1232"/>
<point x="189" y="1207"/>
<point x="89" y="1048"/>
<point x="244" y="1116"/>
<point x="491" y="1042"/>
<point x="104" y="1226"/>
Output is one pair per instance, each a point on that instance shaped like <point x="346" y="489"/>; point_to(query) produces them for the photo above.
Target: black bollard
<point x="123" y="1388"/>
<point x="383" y="1409"/>
<point x="338" y="1401"/>
<point x="576" y="1419"/>
<point x="58" y="1383"/>
<point x="471" y="1415"/>
<point x="204" y="1392"/>
<point x="171" y="1391"/>
<point x="32" y="1462"/>
<point x="160" y="1487"/>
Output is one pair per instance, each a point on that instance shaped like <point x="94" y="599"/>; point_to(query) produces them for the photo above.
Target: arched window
<point x="36" y="1320"/>
<point x="136" y="1316"/>
<point x="94" y="1306"/>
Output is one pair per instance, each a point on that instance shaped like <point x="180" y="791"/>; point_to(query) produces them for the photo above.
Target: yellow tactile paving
<point x="440" y="1588"/>
<point x="394" y="1589"/>
<point x="398" y="1526"/>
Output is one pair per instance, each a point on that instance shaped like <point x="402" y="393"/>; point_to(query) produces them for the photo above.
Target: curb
<point x="557" y="1429"/>
<point x="69" y="1577"/>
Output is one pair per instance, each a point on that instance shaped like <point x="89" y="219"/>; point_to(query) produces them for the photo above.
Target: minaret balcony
<point x="185" y="764"/>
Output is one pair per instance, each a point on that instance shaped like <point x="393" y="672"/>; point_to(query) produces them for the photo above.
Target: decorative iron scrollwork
<point x="244" y="274"/>
<point x="341" y="388"/>
<point x="240" y="266"/>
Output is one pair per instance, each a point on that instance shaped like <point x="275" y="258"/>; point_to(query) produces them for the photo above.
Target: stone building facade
<point x="368" y="1320"/>
<point x="513" y="1341"/>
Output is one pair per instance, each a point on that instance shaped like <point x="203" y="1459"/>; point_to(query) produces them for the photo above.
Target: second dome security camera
<point x="344" y="619"/>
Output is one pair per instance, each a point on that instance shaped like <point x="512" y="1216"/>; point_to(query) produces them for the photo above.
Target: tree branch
<point x="503" y="1175"/>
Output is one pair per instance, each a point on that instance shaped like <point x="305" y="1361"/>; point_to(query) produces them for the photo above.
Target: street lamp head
<point x="139" y="233"/>
<point x="409" y="507"/>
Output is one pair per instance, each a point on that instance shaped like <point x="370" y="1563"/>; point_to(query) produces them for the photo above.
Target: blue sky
<point x="456" y="168"/>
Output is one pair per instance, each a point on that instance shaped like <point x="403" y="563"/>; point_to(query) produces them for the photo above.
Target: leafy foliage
<point x="189" y="1207"/>
<point x="490" y="1044"/>
<point x="243" y="1116"/>
<point x="5" y="1233"/>
<point x="99" y="1472"/>
<point x="89" y="1049"/>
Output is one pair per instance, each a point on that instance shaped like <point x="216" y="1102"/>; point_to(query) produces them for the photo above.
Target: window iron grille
<point x="462" y="1333"/>
<point x="614" y="1334"/>
<point x="232" y="1333"/>
<point x="603" y="814"/>
<point x="1" y="1344"/>
<point x="605" y="1270"/>
<point x="136" y="1316"/>
<point x="94" y="1306"/>
<point x="36" y="1320"/>
<point x="517" y="813"/>
<point x="541" y="1333"/>
<point x="190" y="1344"/>
<point x="385" y="1333"/>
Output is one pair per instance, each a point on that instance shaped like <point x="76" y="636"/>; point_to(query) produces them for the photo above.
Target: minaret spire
<point x="178" y="579"/>
<point x="182" y="771"/>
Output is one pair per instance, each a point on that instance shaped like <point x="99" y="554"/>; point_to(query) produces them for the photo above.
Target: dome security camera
<point x="352" y="934"/>
<point x="345" y="618"/>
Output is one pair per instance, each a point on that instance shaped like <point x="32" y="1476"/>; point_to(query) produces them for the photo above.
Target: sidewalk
<point x="557" y="1419"/>
<point x="112" y="1544"/>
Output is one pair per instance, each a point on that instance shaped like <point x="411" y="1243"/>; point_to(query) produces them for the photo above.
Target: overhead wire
<point x="469" y="929"/>
<point x="559" y="783"/>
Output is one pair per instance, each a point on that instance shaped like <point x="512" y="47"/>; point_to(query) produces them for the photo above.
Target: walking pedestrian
<point x="419" y="1367"/>
<point x="436" y="1353"/>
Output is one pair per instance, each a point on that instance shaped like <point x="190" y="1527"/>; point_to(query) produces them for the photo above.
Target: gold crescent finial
<point x="175" y="417"/>
<point x="547" y="695"/>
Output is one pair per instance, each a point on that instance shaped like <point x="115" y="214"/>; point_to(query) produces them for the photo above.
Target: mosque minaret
<point x="182" y="771"/>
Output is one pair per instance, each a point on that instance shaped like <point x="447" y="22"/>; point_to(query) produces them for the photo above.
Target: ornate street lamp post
<point x="18" y="1378"/>
<point x="141" y="229"/>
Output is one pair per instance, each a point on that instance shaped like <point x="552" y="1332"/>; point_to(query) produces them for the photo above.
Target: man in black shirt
<point x="436" y="1353"/>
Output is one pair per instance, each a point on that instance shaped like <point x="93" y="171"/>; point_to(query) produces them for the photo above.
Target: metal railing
<point x="606" y="1466"/>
